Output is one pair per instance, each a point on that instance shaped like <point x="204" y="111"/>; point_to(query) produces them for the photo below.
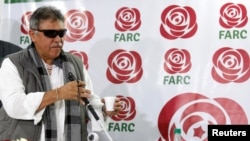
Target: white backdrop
<point x="173" y="63"/>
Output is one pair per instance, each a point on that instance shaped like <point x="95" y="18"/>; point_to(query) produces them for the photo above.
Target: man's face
<point x="47" y="45"/>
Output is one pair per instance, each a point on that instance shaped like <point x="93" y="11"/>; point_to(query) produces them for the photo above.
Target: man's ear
<point x="32" y="35"/>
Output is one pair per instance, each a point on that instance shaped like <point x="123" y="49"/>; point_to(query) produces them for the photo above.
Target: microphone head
<point x="93" y="137"/>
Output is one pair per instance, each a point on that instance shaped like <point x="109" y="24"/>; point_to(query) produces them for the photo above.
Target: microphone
<point x="93" y="137"/>
<point x="71" y="77"/>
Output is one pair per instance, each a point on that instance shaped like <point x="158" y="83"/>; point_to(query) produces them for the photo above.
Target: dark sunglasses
<point x="52" y="33"/>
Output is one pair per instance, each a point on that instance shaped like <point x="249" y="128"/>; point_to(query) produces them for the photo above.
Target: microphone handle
<point x="71" y="77"/>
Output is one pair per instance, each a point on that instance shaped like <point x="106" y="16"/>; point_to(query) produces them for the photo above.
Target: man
<point x="40" y="101"/>
<point x="5" y="49"/>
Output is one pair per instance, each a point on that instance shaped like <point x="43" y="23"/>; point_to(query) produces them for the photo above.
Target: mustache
<point x="60" y="44"/>
<point x="57" y="45"/>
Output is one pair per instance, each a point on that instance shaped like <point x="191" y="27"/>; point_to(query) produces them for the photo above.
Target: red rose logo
<point x="127" y="19"/>
<point x="25" y="22"/>
<point x="82" y="55"/>
<point x="231" y="65"/>
<point x="124" y="66"/>
<point x="193" y="112"/>
<point x="233" y="15"/>
<point x="177" y="61"/>
<point x="80" y="25"/>
<point x="178" y="22"/>
<point x="128" y="111"/>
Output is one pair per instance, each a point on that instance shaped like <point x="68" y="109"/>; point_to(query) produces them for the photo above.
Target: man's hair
<point x="45" y="13"/>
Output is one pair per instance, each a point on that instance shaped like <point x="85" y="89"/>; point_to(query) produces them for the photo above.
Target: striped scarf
<point x="72" y="111"/>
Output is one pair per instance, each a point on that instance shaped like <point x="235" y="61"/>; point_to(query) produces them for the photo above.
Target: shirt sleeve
<point x="95" y="101"/>
<point x="16" y="102"/>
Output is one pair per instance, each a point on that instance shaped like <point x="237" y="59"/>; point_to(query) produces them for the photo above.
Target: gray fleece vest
<point x="15" y="129"/>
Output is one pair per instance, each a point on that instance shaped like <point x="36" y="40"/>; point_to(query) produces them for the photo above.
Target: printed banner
<point x="174" y="64"/>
